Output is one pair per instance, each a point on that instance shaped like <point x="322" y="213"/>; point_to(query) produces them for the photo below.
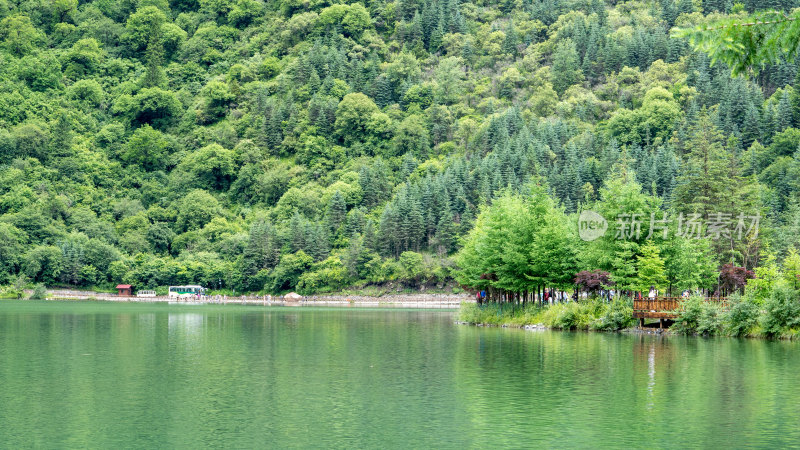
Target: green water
<point x="154" y="376"/>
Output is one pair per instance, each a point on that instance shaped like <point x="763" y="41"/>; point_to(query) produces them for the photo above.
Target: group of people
<point x="551" y="296"/>
<point x="652" y="294"/>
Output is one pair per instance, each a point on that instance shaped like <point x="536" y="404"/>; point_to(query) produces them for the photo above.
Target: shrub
<point x="619" y="315"/>
<point x="689" y="316"/>
<point x="782" y="311"/>
<point x="573" y="316"/>
<point x="742" y="315"/>
<point x="500" y="314"/>
<point x="39" y="292"/>
<point x="699" y="316"/>
<point x="710" y="320"/>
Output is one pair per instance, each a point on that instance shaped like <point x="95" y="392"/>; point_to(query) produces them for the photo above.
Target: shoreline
<point x="632" y="330"/>
<point x="418" y="301"/>
<point x="543" y="327"/>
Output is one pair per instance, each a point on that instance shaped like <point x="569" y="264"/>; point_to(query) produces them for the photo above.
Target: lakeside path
<point x="419" y="300"/>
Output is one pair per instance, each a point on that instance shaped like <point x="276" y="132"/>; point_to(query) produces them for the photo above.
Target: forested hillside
<point x="310" y="145"/>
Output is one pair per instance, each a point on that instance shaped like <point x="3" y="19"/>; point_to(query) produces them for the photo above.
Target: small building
<point x="124" y="290"/>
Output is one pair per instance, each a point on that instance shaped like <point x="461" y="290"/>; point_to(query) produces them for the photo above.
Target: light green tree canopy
<point x="747" y="42"/>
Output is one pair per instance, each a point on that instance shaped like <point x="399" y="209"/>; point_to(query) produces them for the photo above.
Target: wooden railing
<point x="666" y="307"/>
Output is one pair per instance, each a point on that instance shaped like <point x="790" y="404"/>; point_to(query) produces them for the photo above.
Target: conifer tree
<point x="704" y="175"/>
<point x="154" y="57"/>
<point x="61" y="144"/>
<point x="510" y="41"/>
<point x="566" y="65"/>
<point x="650" y="268"/>
<point x="336" y="212"/>
<point x="784" y="113"/>
<point x="297" y="232"/>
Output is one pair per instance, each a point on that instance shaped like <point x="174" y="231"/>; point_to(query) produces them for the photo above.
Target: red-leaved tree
<point x="593" y="280"/>
<point x="733" y="278"/>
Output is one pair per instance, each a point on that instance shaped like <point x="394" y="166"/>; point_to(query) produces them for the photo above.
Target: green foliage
<point x="352" y="117"/>
<point x="166" y="142"/>
<point x="657" y="118"/>
<point x="18" y="34"/>
<point x="616" y="252"/>
<point x="747" y="42"/>
<point x="84" y="59"/>
<point x="217" y="97"/>
<point x="288" y="272"/>
<point x="327" y="275"/>
<point x="593" y="315"/>
<point x="767" y="279"/>
<point x="699" y="316"/>
<point x="39" y="292"/>
<point x="650" y="268"/>
<point x="196" y="209"/>
<point x="566" y="66"/>
<point x="782" y="312"/>
<point x="518" y="244"/>
<point x="571" y="316"/>
<point x="742" y="316"/>
<point x="146" y="148"/>
<point x="211" y="167"/>
<point x="618" y="316"/>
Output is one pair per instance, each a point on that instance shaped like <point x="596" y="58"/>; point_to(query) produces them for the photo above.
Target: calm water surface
<point x="136" y="375"/>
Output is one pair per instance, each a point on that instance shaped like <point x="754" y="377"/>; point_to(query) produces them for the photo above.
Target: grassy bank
<point x="774" y="316"/>
<point x="587" y="315"/>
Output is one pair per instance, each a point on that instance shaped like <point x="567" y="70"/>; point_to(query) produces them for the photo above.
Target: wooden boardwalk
<point x="665" y="308"/>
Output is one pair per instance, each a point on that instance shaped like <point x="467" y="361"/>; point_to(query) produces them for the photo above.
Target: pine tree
<point x="336" y="212"/>
<point x="429" y="19"/>
<point x="406" y="8"/>
<point x="154" y="57"/>
<point x="565" y="66"/>
<point x="705" y="174"/>
<point x="435" y="41"/>
<point x="415" y="226"/>
<point x="369" y="238"/>
<point x="685" y="6"/>
<point x="669" y="12"/>
<point x="61" y="143"/>
<point x="599" y="7"/>
<point x="273" y="135"/>
<point x="390" y="233"/>
<point x="467" y="51"/>
<point x="751" y="130"/>
<point x="314" y="82"/>
<point x="383" y="91"/>
<point x="784" y="113"/>
<point x="316" y="241"/>
<point x="590" y="58"/>
<point x="297" y="232"/>
<point x="355" y="221"/>
<point x="262" y="250"/>
<point x="510" y="41"/>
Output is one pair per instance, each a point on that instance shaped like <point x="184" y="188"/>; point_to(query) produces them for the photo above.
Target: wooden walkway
<point x="665" y="308"/>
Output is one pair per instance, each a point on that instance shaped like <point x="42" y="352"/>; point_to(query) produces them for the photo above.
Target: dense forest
<point x="310" y="145"/>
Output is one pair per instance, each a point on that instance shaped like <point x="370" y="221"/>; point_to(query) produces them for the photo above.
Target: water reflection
<point x="185" y="324"/>
<point x="246" y="377"/>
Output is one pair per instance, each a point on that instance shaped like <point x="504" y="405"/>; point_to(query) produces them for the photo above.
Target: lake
<point x="86" y="374"/>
